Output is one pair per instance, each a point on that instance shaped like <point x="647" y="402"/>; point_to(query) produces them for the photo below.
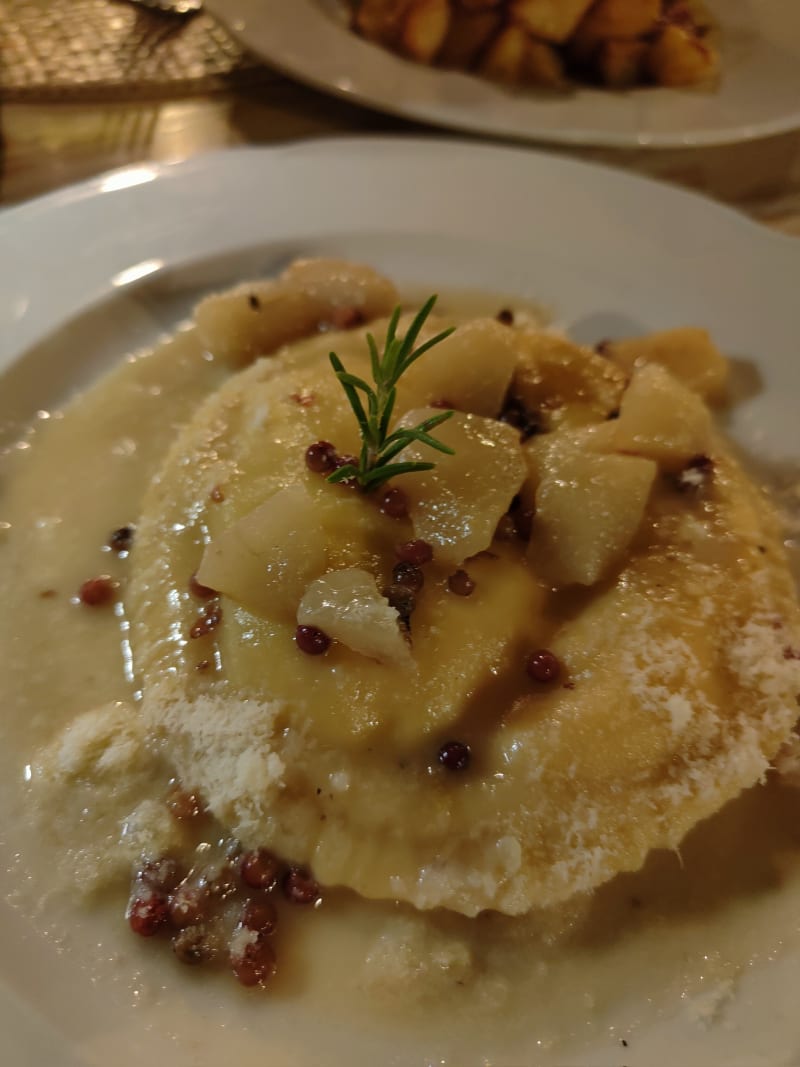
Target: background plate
<point x="759" y="94"/>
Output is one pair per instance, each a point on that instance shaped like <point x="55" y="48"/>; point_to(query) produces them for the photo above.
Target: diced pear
<point x="688" y="353"/>
<point x="456" y="506"/>
<point x="470" y="370"/>
<point x="346" y="604"/>
<point x="565" y="383"/>
<point x="266" y="560"/>
<point x="588" y="509"/>
<point x="661" y="419"/>
<point x="256" y="319"/>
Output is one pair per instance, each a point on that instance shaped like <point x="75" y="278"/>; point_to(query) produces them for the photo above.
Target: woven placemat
<point x="84" y="49"/>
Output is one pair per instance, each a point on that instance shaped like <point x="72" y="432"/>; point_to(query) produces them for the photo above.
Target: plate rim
<point x="371" y="151"/>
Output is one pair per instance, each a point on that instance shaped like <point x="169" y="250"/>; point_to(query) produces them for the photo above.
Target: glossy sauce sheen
<point x="662" y="952"/>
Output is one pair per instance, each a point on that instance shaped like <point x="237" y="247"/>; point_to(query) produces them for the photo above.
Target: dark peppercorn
<point x="192" y="945"/>
<point x="259" y="869"/>
<point x="184" y="805"/>
<point x="164" y="874"/>
<point x="121" y="539"/>
<point x="321" y="457"/>
<point x="408" y="575"/>
<point x="189" y="905"/>
<point x="394" y="503"/>
<point x="311" y="640"/>
<point x="259" y="915"/>
<point x="461" y="584"/>
<point x="300" y="887"/>
<point x="417" y="552"/>
<point x="506" y="316"/>
<point x="402" y="599"/>
<point x="543" y="666"/>
<point x="455" y="756"/>
<point x="254" y="302"/>
<point x="208" y="620"/>
<point x="253" y="963"/>
<point x="147" y="912"/>
<point x="97" y="591"/>
<point x="517" y="415"/>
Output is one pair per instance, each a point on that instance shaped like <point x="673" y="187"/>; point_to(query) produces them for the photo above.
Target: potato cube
<point x="380" y="20"/>
<point x="619" y="18"/>
<point x="265" y="560"/>
<point x="542" y="65"/>
<point x="688" y="353"/>
<point x="588" y="510"/>
<point x="553" y="20"/>
<point x="424" y="29"/>
<point x="346" y="604"/>
<point x="470" y="370"/>
<point x="619" y="64"/>
<point x="456" y="506"/>
<point x="504" y="58"/>
<point x="661" y="419"/>
<point x="678" y="57"/>
<point x="469" y="33"/>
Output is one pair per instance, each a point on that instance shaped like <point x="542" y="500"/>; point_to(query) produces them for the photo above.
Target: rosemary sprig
<point x="378" y="446"/>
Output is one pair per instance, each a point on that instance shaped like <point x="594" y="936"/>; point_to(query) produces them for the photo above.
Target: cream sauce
<point x="666" y="947"/>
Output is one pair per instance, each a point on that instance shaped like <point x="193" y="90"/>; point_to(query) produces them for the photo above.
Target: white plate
<point x="759" y="94"/>
<point x="607" y="252"/>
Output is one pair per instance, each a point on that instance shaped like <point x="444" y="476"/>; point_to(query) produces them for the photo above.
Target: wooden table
<point x="49" y="139"/>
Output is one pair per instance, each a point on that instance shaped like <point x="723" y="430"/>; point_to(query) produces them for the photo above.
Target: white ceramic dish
<point x="606" y="252"/>
<point x="759" y="94"/>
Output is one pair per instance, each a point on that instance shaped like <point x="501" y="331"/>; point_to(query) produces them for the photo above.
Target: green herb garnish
<point x="378" y="446"/>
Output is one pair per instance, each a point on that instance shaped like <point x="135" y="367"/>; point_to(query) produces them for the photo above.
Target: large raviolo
<point x="653" y="571"/>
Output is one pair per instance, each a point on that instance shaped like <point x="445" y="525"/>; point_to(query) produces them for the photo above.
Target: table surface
<point x="58" y="125"/>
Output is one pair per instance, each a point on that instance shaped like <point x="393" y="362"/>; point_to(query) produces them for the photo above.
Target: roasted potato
<point x="618" y="43"/>
<point x="469" y="34"/>
<point x="678" y="57"/>
<point x="503" y="60"/>
<point x="552" y="20"/>
<point x="424" y="29"/>
<point x="620" y="64"/>
<point x="620" y="18"/>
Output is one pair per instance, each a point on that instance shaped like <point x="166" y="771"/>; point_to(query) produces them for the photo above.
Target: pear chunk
<point x="346" y="604"/>
<point x="469" y="371"/>
<point x="688" y="353"/>
<point x="661" y="419"/>
<point x="456" y="506"/>
<point x="588" y="509"/>
<point x="266" y="560"/>
<point x="565" y="384"/>
<point x="258" y="318"/>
